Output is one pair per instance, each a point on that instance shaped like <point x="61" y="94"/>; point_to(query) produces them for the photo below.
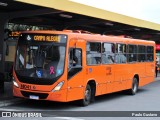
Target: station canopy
<point x="65" y="14"/>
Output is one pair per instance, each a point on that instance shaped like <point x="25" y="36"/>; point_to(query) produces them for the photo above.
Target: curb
<point x="5" y="103"/>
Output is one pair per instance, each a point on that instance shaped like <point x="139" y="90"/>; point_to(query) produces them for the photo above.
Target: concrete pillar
<point x="2" y="52"/>
<point x="2" y="47"/>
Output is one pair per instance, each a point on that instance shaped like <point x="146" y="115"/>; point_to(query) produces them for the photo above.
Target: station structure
<point x="65" y="14"/>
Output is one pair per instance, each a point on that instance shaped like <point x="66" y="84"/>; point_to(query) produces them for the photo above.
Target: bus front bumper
<point x="59" y="96"/>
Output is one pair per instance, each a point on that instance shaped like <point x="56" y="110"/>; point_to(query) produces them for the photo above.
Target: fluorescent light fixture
<point x="3" y="4"/>
<point x="65" y="16"/>
<point x="137" y="29"/>
<point x="109" y="24"/>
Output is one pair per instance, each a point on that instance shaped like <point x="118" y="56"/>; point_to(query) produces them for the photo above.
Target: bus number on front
<point x="27" y="87"/>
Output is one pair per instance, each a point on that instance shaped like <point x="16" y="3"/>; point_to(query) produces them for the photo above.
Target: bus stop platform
<point x="7" y="98"/>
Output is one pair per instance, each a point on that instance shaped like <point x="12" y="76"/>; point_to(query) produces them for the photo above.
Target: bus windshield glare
<point x="40" y="56"/>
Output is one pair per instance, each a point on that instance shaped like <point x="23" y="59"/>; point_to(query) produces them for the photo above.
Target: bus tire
<point x="134" y="87"/>
<point x="87" y="96"/>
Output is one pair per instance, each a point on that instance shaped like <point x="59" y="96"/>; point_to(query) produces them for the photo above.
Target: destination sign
<point x="47" y="38"/>
<point x="43" y="38"/>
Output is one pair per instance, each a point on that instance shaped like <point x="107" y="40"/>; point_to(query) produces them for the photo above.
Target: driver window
<point x="75" y="57"/>
<point x="74" y="62"/>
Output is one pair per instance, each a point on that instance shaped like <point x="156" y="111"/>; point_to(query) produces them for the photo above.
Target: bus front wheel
<point x="87" y="96"/>
<point x="134" y="87"/>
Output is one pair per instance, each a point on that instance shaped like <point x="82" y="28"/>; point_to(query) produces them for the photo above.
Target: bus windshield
<point x="40" y="56"/>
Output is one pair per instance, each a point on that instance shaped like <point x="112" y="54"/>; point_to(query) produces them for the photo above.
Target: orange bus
<point x="66" y="66"/>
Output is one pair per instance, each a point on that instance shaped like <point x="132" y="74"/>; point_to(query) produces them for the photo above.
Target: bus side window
<point x="141" y="53"/>
<point x="78" y="55"/>
<point x="74" y="61"/>
<point x="75" y="57"/>
<point x="120" y="53"/>
<point x="150" y="53"/>
<point x="93" y="53"/>
<point x="132" y="53"/>
<point x="107" y="53"/>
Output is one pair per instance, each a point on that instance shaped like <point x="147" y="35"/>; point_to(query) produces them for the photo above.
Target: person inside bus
<point x="73" y="60"/>
<point x="106" y="58"/>
<point x="39" y="59"/>
<point x="110" y="59"/>
<point x="120" y="57"/>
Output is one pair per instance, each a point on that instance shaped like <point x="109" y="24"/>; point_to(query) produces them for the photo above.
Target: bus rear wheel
<point x="134" y="87"/>
<point x="87" y="96"/>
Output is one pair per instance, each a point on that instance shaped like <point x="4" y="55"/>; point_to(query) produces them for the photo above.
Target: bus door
<point x="75" y="70"/>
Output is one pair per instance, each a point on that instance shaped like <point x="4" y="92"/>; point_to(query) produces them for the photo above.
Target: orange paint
<point x="108" y="78"/>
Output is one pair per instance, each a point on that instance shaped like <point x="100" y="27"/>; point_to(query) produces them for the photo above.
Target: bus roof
<point x="93" y="37"/>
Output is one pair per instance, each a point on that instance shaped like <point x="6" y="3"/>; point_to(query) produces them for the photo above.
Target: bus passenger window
<point x="150" y="53"/>
<point x="141" y="53"/>
<point x="132" y="53"/>
<point x="93" y="53"/>
<point x="107" y="53"/>
<point x="120" y="53"/>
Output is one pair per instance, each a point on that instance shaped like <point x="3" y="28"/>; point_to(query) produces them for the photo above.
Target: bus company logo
<point x="28" y="37"/>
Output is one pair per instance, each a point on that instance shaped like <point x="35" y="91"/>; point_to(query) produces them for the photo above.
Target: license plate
<point x="34" y="97"/>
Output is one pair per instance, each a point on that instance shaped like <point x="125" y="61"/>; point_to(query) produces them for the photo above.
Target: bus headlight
<point x="58" y="87"/>
<point x="14" y="82"/>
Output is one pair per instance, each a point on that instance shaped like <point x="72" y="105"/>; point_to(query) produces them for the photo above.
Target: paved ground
<point x="147" y="99"/>
<point x="7" y="98"/>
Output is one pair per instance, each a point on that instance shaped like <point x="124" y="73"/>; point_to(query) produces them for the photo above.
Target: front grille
<point x="41" y="95"/>
<point x="38" y="81"/>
